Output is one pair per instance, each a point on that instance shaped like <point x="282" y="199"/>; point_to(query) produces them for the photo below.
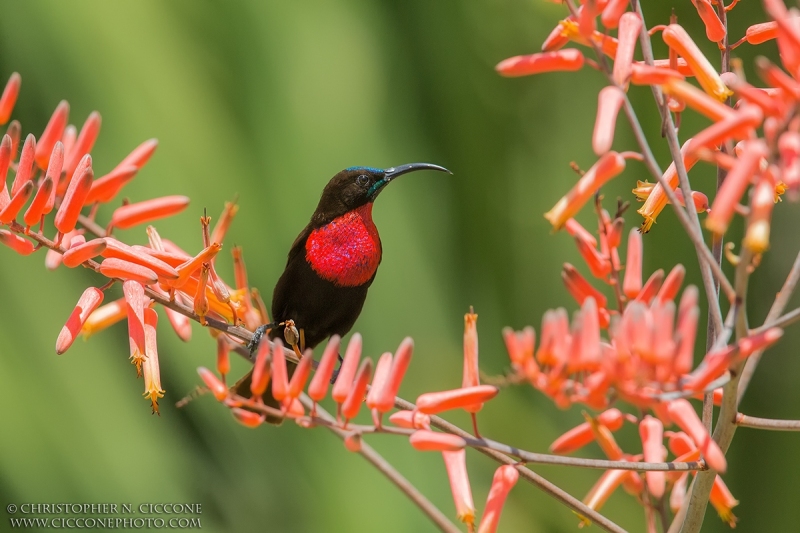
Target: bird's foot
<point x="336" y="372"/>
<point x="257" y="335"/>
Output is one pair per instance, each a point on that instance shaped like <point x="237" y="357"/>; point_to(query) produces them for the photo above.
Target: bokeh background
<point x="267" y="100"/>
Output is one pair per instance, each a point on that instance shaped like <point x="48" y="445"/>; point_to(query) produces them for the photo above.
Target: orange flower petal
<point x="9" y="97"/>
<point x="74" y="199"/>
<point x="560" y="60"/>
<point x="36" y="210"/>
<point x="83" y="144"/>
<point x="504" y="480"/>
<point x="214" y="384"/>
<point x="355" y="397"/>
<point x="17" y="203"/>
<point x="88" y="302"/>
<point x="319" y="383"/>
<point x="677" y="39"/>
<point x="104" y="189"/>
<point x="609" y="102"/>
<point x="435" y="402"/>
<point x="425" y="440"/>
<point x="347" y="372"/>
<point x="16" y="242"/>
<point x="52" y="134"/>
<point x="25" y="165"/>
<point x="455" y="463"/>
<point x="147" y="211"/>
<point x="76" y="255"/>
<point x="121" y="269"/>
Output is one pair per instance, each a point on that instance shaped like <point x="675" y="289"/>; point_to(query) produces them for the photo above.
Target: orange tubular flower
<point x="73" y="202"/>
<point x="602" y="490"/>
<point x="425" y="440"/>
<point x="756" y="238"/>
<point x="431" y="403"/>
<point x="140" y="155"/>
<point x="504" y="480"/>
<point x="671" y="286"/>
<point x="715" y="30"/>
<point x="560" y="60"/>
<point x="147" y="211"/>
<point x="319" y="383"/>
<point x="651" y="431"/>
<point x="150" y="369"/>
<point x="761" y="33"/>
<point x="14" y="132"/>
<point x="402" y="357"/>
<point x="52" y="134"/>
<point x="644" y="74"/>
<point x="106" y="188"/>
<point x="25" y="164"/>
<point x="685" y="417"/>
<point x="121" y="269"/>
<point x="789" y="149"/>
<point x="280" y="377"/>
<point x="581" y="435"/>
<point x="353" y="442"/>
<point x="76" y="255"/>
<point x="630" y="24"/>
<point x="200" y="302"/>
<point x="471" y="377"/>
<point x="609" y="102"/>
<point x="607" y="167"/>
<point x="247" y="418"/>
<point x="135" y="304"/>
<point x="83" y="144"/>
<point x="9" y="97"/>
<point x="734" y="186"/>
<point x="382" y="370"/>
<point x="261" y="370"/>
<point x="723" y="501"/>
<point x="696" y="99"/>
<point x="612" y="13"/>
<point x="217" y="387"/>
<point x="410" y="420"/>
<point x="575" y="229"/>
<point x="104" y="316"/>
<point x="17" y="203"/>
<point x="579" y="288"/>
<point x="223" y="356"/>
<point x="301" y="375"/>
<point x="5" y="161"/>
<point x="456" y="465"/>
<point x="119" y="250"/>
<point x="54" y="165"/>
<point x="224" y="222"/>
<point x="677" y="39"/>
<point x="632" y="283"/>
<point x="35" y="211"/>
<point x="355" y="397"/>
<point x="16" y="242"/>
<point x="88" y="302"/>
<point x="347" y="372"/>
<point x="520" y="348"/>
<point x="652" y="287"/>
<point x="740" y="125"/>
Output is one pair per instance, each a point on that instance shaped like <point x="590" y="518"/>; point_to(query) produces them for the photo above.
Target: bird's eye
<point x="362" y="180"/>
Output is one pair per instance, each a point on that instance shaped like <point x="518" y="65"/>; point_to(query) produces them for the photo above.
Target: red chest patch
<point x="347" y="250"/>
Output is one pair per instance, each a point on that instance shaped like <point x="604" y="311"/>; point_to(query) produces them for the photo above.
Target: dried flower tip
<point x="426" y="440"/>
<point x="504" y="480"/>
<point x="410" y="420"/>
<point x="319" y="383"/>
<point x="148" y="211"/>
<point x="76" y="255"/>
<point x="581" y="435"/>
<point x="52" y="134"/>
<point x="9" y="97"/>
<point x="25" y="165"/>
<point x="560" y="60"/>
<point x="291" y="335"/>
<point x="224" y="222"/>
<point x="83" y="144"/>
<point x="88" y="302"/>
<point x="74" y="200"/>
<point x="630" y="24"/>
<point x="677" y="39"/>
<point x="431" y="403"/>
<point x="16" y="204"/>
<point x="609" y="102"/>
<point x="16" y="242"/>
<point x="352" y="404"/>
<point x="121" y="269"/>
<point x="347" y="371"/>
<point x="608" y="166"/>
<point x="214" y="384"/>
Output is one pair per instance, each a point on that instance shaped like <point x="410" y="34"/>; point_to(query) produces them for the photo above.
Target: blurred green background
<point x="267" y="100"/>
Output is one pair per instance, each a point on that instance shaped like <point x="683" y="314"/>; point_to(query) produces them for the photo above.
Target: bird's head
<point x="356" y="186"/>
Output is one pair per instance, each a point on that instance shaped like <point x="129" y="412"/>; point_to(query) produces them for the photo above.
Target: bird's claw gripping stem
<point x="257" y="336"/>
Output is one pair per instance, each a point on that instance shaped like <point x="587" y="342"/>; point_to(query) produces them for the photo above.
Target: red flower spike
<point x="715" y="29"/>
<point x="148" y="211"/>
<point x="261" y="369"/>
<point x="55" y="162"/>
<point x="761" y="33"/>
<point x="16" y="204"/>
<point x="651" y="431"/>
<point x="739" y="125"/>
<point x="319" y="383"/>
<point x="35" y="211"/>
<point x="52" y="134"/>
<point x="353" y="443"/>
<point x="9" y="97"/>
<point x="734" y="186"/>
<point x="121" y="269"/>
<point x="684" y="416"/>
<point x="609" y="102"/>
<point x="598" y="264"/>
<point x="612" y="13"/>
<point x="630" y="24"/>
<point x="76" y="255"/>
<point x="410" y="420"/>
<point x="217" y="387"/>
<point x="139" y="156"/>
<point x="14" y="131"/>
<point x="16" y="242"/>
<point x="347" y="372"/>
<point x="575" y="229"/>
<point x="579" y="287"/>
<point x="135" y="303"/>
<point x="25" y="165"/>
<point x="504" y="480"/>
<point x="644" y="74"/>
<point x="223" y="356"/>
<point x="431" y="403"/>
<point x="602" y="490"/>
<point x="248" y="419"/>
<point x="83" y="144"/>
<point x="119" y="250"/>
<point x="652" y="287"/>
<point x="88" y="302"/>
<point x="425" y="440"/>
<point x="756" y="238"/>
<point x="379" y="380"/>
<point x="632" y="283"/>
<point x="280" y="377"/>
<point x="607" y="167"/>
<point x="456" y="465"/>
<point x="581" y="435"/>
<point x="67" y="215"/>
<point x="150" y="368"/>
<point x="106" y="188"/>
<point x="402" y="358"/>
<point x="560" y="60"/>
<point x="352" y="404"/>
<point x="723" y="501"/>
<point x="677" y="39"/>
<point x="301" y="375"/>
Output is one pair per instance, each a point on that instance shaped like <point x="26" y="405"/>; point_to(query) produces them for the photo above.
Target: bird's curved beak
<point x="392" y="172"/>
